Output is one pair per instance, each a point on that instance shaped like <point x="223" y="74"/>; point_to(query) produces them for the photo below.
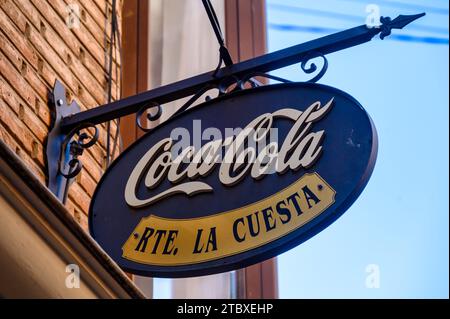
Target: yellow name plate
<point x="174" y="242"/>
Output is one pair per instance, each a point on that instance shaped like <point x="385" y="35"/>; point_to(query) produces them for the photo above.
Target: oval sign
<point x="234" y="181"/>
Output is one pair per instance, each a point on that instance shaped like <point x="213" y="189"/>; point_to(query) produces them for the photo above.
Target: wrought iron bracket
<point x="63" y="148"/>
<point x="56" y="155"/>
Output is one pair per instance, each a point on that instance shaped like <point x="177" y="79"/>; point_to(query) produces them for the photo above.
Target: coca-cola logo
<point x="237" y="155"/>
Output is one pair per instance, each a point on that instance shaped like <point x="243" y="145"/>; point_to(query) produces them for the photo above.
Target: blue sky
<point x="400" y="222"/>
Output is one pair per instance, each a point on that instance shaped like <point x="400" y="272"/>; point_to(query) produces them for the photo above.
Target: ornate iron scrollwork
<point x="231" y="84"/>
<point x="71" y="148"/>
<point x="76" y="148"/>
<point x="313" y="67"/>
<point x="149" y="115"/>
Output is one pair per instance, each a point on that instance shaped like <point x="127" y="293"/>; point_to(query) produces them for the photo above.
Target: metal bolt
<point x="320" y="187"/>
<point x="60" y="102"/>
<point x="136" y="235"/>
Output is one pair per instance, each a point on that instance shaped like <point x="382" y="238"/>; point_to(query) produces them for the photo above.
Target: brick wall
<point x="37" y="46"/>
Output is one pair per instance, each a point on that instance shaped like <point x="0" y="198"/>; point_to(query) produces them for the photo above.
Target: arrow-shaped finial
<point x="398" y="23"/>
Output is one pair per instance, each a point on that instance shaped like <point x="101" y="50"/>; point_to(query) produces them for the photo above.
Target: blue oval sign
<point x="234" y="181"/>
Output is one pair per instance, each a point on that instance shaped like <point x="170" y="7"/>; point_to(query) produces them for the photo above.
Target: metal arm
<point x="69" y="120"/>
<point x="265" y="63"/>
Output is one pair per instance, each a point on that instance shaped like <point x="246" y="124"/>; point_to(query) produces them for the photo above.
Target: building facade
<point x="99" y="54"/>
